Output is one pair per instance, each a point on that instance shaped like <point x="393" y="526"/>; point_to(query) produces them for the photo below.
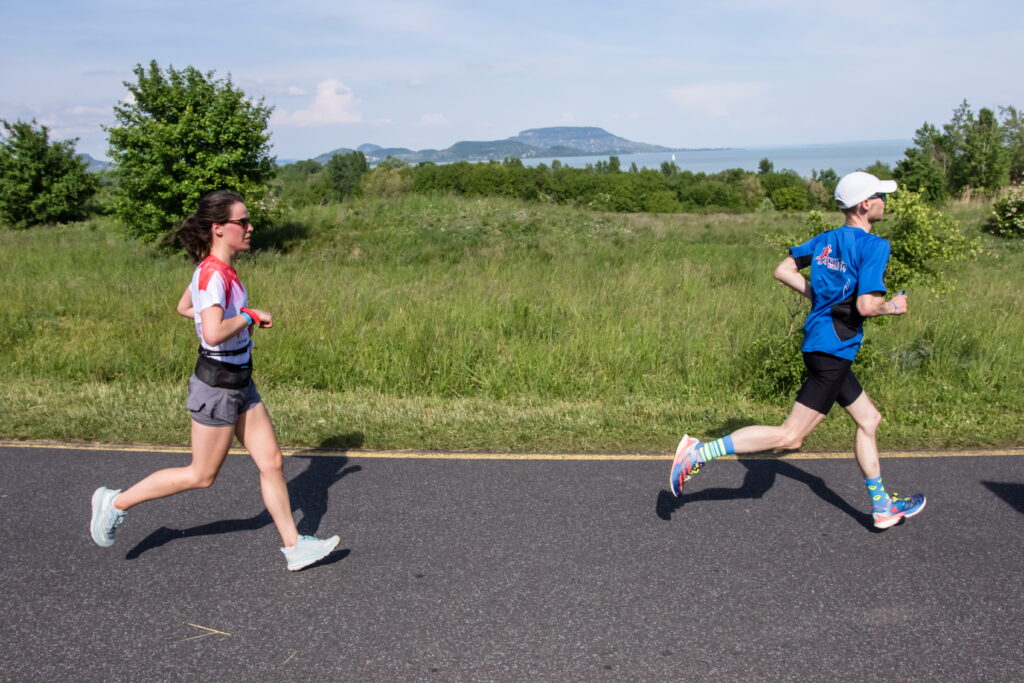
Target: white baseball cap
<point x="855" y="187"/>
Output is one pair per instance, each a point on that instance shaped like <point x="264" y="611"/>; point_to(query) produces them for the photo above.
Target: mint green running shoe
<point x="105" y="517"/>
<point x="309" y="549"/>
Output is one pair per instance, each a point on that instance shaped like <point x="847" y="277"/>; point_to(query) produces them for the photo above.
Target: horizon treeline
<point x="164" y="163"/>
<point x="972" y="154"/>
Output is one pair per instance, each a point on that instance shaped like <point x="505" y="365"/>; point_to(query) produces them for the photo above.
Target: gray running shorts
<point x="216" y="407"/>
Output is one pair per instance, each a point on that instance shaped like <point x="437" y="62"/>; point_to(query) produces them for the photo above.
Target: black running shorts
<point x="829" y="380"/>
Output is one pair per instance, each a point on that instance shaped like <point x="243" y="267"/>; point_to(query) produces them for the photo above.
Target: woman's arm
<point x="185" y="304"/>
<point x="217" y="329"/>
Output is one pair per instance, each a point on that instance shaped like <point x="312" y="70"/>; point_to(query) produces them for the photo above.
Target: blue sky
<point x="426" y="74"/>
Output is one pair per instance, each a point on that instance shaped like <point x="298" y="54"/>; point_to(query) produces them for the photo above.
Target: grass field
<point x="443" y="323"/>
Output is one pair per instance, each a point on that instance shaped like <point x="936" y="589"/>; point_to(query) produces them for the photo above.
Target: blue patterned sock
<point x="879" y="498"/>
<point x="716" y="449"/>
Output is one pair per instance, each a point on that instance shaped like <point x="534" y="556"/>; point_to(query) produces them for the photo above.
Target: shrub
<point x="662" y="201"/>
<point x="41" y="181"/>
<point x="1007" y="218"/>
<point x="183" y="134"/>
<point x="790" y="199"/>
<point x="924" y="243"/>
<point x="386" y="181"/>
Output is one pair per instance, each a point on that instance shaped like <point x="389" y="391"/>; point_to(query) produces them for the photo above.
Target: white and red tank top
<point x="215" y="283"/>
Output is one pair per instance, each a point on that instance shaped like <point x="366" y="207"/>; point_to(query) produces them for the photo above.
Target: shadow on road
<point x="1011" y="493"/>
<point x="308" y="492"/>
<point x="760" y="477"/>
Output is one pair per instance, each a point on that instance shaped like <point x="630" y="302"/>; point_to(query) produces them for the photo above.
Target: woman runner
<point x="222" y="397"/>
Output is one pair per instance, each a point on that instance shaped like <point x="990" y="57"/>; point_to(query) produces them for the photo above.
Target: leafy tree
<point x="1013" y="135"/>
<point x="827" y="177"/>
<point x="752" y="190"/>
<point x="765" y="166"/>
<point x="983" y="163"/>
<point x="974" y="147"/>
<point x="669" y="168"/>
<point x="925" y="166"/>
<point x="341" y="175"/>
<point x="821" y="188"/>
<point x="41" y="181"/>
<point x="294" y="184"/>
<point x="613" y="165"/>
<point x="773" y="181"/>
<point x="182" y="134"/>
<point x="713" y="193"/>
<point x="880" y="169"/>
<point x="952" y="140"/>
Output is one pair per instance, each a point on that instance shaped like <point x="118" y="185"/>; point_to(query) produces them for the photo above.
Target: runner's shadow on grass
<point x="307" y="491"/>
<point x="1011" y="493"/>
<point x="759" y="479"/>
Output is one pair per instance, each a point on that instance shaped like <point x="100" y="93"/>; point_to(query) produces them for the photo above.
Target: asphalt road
<point x="465" y="569"/>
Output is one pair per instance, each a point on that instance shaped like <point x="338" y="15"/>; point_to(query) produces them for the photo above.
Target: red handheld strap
<point x="252" y="314"/>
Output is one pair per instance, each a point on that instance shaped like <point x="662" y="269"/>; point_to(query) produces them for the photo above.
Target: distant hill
<point x="587" y="140"/>
<point x="326" y="156"/>
<point x="559" y="141"/>
<point x="94" y="164"/>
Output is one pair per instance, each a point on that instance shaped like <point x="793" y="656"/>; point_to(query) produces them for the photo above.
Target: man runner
<point x="845" y="287"/>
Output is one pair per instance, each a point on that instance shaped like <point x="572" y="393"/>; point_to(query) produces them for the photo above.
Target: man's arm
<point x="874" y="304"/>
<point x="788" y="274"/>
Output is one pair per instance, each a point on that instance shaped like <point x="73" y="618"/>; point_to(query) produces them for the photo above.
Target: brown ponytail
<point x="194" y="233"/>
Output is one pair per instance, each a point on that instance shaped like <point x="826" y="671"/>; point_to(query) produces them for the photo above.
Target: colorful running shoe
<point x="686" y="464"/>
<point x="309" y="549"/>
<point x="105" y="517"/>
<point x="898" y="509"/>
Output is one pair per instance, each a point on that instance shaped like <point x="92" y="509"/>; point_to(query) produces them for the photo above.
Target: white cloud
<point x="435" y="121"/>
<point x="719" y="99"/>
<point x="295" y="90"/>
<point x="81" y="110"/>
<point x="333" y="103"/>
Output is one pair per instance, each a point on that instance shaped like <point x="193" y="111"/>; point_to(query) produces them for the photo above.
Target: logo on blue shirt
<point x="825" y="259"/>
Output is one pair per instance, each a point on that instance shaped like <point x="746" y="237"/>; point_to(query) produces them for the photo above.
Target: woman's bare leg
<point x="209" y="448"/>
<point x="256" y="432"/>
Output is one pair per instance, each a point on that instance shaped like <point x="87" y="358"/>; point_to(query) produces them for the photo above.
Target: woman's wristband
<point x="251" y="315"/>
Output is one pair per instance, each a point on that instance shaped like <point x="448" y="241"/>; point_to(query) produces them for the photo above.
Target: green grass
<point x="446" y="323"/>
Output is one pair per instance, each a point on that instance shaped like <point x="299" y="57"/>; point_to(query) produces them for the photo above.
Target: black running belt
<point x="231" y="352"/>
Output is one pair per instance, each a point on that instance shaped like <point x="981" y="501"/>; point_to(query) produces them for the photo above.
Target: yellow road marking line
<point x="434" y="455"/>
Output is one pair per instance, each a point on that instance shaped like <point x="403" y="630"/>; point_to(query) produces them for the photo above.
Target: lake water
<point x="841" y="158"/>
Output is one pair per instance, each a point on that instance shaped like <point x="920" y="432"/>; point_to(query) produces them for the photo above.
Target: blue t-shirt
<point x="845" y="263"/>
